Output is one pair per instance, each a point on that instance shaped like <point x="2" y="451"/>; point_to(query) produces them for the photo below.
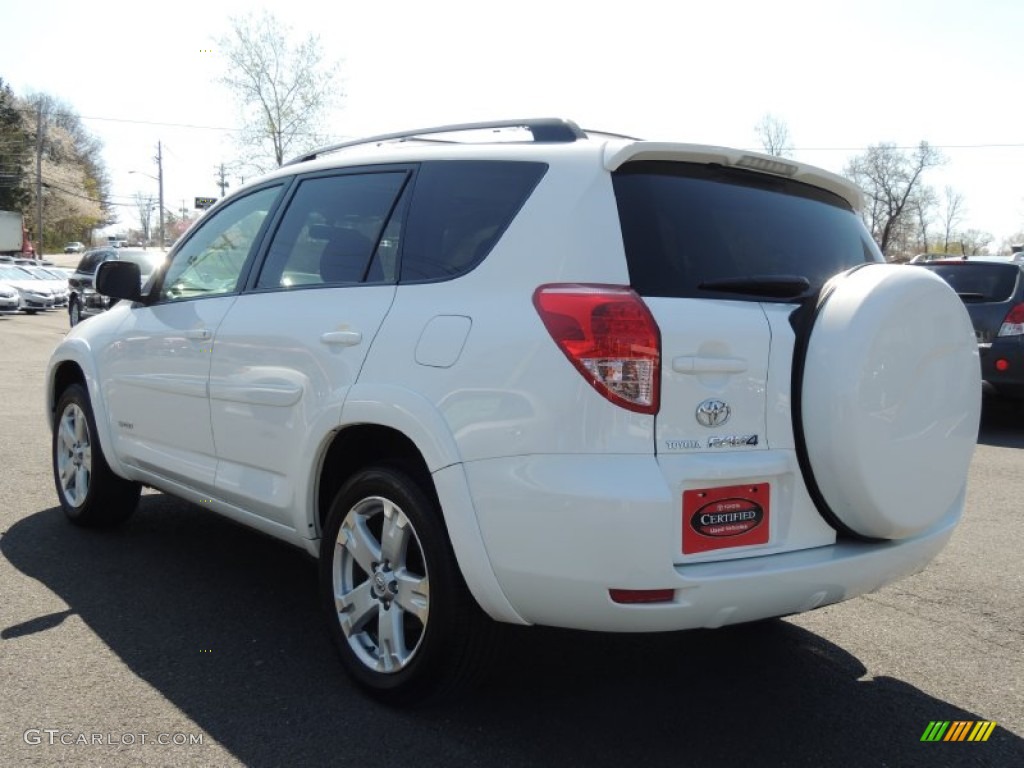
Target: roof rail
<point x="544" y="130"/>
<point x="609" y="134"/>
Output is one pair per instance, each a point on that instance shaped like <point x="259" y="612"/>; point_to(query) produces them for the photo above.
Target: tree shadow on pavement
<point x="224" y="623"/>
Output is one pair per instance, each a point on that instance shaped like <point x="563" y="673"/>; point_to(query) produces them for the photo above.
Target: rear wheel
<point x="397" y="609"/>
<point x="75" y="312"/>
<point x="90" y="493"/>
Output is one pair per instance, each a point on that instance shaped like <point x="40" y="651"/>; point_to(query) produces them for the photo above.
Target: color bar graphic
<point x="958" y="730"/>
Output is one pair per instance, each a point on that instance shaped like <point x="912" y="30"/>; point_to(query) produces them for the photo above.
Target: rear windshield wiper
<point x="968" y="296"/>
<point x="774" y="286"/>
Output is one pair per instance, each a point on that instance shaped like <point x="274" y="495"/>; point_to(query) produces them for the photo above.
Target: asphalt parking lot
<point x="129" y="648"/>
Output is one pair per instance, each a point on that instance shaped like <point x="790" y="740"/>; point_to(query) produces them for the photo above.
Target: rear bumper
<point x="561" y="531"/>
<point x="1009" y="350"/>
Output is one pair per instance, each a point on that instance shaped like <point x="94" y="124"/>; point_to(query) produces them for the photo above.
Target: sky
<point x="842" y="76"/>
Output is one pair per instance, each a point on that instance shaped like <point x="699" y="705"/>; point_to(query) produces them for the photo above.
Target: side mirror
<point x="119" y="280"/>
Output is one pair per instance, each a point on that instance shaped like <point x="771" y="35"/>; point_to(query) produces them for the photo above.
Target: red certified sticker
<point x="720" y="518"/>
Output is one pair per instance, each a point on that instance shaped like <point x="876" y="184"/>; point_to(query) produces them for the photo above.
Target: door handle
<point x="695" y="365"/>
<point x="342" y="338"/>
<point x="199" y="334"/>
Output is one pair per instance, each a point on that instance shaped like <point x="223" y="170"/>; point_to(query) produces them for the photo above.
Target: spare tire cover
<point x="891" y="399"/>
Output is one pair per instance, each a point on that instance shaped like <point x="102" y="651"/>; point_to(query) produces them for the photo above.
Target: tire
<point x="75" y="312"/>
<point x="409" y="588"/>
<point x="91" y="495"/>
<point x="887" y="401"/>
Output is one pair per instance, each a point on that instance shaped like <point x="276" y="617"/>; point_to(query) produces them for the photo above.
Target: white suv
<point x="532" y="374"/>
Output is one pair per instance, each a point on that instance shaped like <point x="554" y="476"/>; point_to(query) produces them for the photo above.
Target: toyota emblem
<point x="712" y="413"/>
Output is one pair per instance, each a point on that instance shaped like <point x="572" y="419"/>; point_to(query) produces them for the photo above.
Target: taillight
<point x="1013" y="324"/>
<point x="608" y="333"/>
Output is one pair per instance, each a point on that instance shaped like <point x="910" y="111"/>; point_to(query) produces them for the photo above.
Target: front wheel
<point x="397" y="609"/>
<point x="75" y="312"/>
<point x="90" y="493"/>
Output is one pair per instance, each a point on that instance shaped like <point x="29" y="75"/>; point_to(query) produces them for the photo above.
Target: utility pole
<point x="184" y="210"/>
<point x="222" y="180"/>
<point x="39" y="181"/>
<point x="160" y="181"/>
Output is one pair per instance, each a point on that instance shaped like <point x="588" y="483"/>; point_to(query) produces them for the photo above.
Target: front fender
<point x="79" y="350"/>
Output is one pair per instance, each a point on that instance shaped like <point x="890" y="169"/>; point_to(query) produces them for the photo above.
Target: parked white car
<point x="33" y="294"/>
<point x="566" y="378"/>
<point x="58" y="286"/>
<point x="10" y="302"/>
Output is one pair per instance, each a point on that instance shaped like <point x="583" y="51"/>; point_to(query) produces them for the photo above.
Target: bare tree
<point x="952" y="214"/>
<point x="145" y="205"/>
<point x="1014" y="241"/>
<point x="974" y="242"/>
<point x="283" y="88"/>
<point x="923" y="203"/>
<point x="774" y="136"/>
<point x="890" y="177"/>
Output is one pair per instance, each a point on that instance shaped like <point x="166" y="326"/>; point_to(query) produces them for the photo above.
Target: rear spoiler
<point x="616" y="154"/>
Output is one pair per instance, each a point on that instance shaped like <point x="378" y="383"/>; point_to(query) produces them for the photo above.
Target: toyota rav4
<point x="521" y="372"/>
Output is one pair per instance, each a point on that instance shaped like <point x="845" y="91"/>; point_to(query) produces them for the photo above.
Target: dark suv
<point x="83" y="300"/>
<point x="993" y="293"/>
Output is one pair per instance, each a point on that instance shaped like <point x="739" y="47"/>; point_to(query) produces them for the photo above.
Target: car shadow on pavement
<point x="224" y="623"/>
<point x="1002" y="422"/>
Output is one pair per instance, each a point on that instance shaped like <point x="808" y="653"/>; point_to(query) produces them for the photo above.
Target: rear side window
<point x="684" y="225"/>
<point x="975" y="282"/>
<point x="459" y="211"/>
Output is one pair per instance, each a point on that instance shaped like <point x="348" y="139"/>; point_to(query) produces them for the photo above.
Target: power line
<point x="893" y="146"/>
<point x="50" y="185"/>
<point x="193" y="126"/>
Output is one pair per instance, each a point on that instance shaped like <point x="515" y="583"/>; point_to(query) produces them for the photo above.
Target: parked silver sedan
<point x="9" y="299"/>
<point x="33" y="295"/>
<point x="57" y="284"/>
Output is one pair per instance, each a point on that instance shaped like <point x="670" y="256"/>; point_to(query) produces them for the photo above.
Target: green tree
<point x="14" y="153"/>
<point x="75" y="185"/>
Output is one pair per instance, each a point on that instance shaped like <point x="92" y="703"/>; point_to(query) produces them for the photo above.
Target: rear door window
<point x="333" y="229"/>
<point x="687" y="226"/>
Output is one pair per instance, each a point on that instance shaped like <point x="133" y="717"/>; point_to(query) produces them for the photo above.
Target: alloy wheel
<point x="74" y="455"/>
<point x="381" y="586"/>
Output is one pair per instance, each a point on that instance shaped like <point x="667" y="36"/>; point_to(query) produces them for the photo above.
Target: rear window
<point x="977" y="282"/>
<point x="686" y="225"/>
<point x="92" y="260"/>
<point x="459" y="211"/>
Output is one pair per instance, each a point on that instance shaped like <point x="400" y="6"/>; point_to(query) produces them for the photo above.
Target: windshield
<point x="27" y="273"/>
<point x="14" y="273"/>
